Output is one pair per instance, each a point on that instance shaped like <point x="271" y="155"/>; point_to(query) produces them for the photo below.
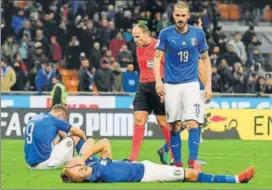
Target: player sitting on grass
<point x="43" y="147"/>
<point x="81" y="169"/>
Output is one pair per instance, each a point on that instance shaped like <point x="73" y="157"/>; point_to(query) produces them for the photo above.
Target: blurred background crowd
<point x="89" y="45"/>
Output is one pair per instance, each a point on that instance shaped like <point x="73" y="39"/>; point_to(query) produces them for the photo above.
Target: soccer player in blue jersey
<point x="182" y="44"/>
<point x="195" y="20"/>
<point x="43" y="148"/>
<point x="82" y="169"/>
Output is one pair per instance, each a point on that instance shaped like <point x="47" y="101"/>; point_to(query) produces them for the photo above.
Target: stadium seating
<point x="70" y="79"/>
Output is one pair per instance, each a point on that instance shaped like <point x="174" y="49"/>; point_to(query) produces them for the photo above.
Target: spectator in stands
<point x="18" y="21"/>
<point x="260" y="86"/>
<point x="247" y="36"/>
<point x="39" y="57"/>
<point x="253" y="50"/>
<point x="220" y="38"/>
<point x="90" y="36"/>
<point x="111" y="13"/>
<point x="55" y="50"/>
<point x="26" y="30"/>
<point x="9" y="49"/>
<point x="85" y="76"/>
<point x="117" y="77"/>
<point x="116" y="44"/>
<point x="108" y="58"/>
<point x="25" y="47"/>
<point x="214" y="56"/>
<point x="17" y="58"/>
<point x="130" y="79"/>
<point x="105" y="33"/>
<point x="127" y="35"/>
<point x="231" y="57"/>
<point x="268" y="86"/>
<point x="251" y="82"/>
<point x="44" y="78"/>
<point x="50" y="24"/>
<point x="163" y="23"/>
<point x="226" y="76"/>
<point x="103" y="78"/>
<point x="73" y="54"/>
<point x="239" y="47"/>
<point x="95" y="55"/>
<point x="62" y="35"/>
<point x="8" y="76"/>
<point x="239" y="78"/>
<point x="124" y="56"/>
<point x="216" y="80"/>
<point x="39" y="37"/>
<point x="20" y="77"/>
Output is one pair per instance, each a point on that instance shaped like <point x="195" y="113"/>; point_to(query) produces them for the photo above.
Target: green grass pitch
<point x="222" y="156"/>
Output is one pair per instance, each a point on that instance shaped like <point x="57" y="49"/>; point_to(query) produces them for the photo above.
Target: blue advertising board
<point x="126" y="102"/>
<point x="15" y="101"/>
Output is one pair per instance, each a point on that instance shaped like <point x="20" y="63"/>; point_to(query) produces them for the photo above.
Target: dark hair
<point x="194" y="19"/>
<point x="60" y="107"/>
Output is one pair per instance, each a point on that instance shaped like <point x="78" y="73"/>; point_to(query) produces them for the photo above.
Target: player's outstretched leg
<point x="138" y="135"/>
<point x="195" y="176"/>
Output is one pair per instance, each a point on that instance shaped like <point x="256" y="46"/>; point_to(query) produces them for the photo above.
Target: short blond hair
<point x="182" y="5"/>
<point x="142" y="27"/>
<point x="60" y="107"/>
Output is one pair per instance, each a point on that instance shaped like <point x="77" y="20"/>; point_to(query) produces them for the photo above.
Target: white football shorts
<point x="161" y="173"/>
<point x="61" y="153"/>
<point x="183" y="102"/>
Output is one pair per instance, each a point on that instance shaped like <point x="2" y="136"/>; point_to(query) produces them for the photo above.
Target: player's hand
<point x="160" y="88"/>
<point x="208" y="95"/>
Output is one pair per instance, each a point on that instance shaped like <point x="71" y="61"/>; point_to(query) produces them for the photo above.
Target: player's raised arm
<point x="90" y="148"/>
<point x="78" y="132"/>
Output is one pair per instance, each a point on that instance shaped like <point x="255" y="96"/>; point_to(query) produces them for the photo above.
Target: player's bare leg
<point x="140" y="118"/>
<point x="175" y="142"/>
<point x="193" y="144"/>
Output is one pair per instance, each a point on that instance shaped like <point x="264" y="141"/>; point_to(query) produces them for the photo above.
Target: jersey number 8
<point x="29" y="133"/>
<point x="183" y="56"/>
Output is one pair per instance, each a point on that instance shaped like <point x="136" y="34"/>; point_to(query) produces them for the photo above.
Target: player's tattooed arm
<point x="205" y="55"/>
<point x="208" y="70"/>
<point x="157" y="63"/>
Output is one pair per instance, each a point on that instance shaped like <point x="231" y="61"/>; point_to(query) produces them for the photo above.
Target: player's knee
<point x="191" y="174"/>
<point x="191" y="124"/>
<point x="139" y="120"/>
<point x="90" y="140"/>
<point x="106" y="142"/>
<point x="175" y="127"/>
<point x="162" y="121"/>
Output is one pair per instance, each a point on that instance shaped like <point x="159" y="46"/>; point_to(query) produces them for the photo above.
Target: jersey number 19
<point x="183" y="56"/>
<point x="29" y="133"/>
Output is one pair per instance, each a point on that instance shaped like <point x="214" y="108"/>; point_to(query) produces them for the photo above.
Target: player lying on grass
<point x="46" y="144"/>
<point x="81" y="169"/>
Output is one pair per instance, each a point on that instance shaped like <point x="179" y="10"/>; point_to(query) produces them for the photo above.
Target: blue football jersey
<point x="181" y="53"/>
<point x="107" y="170"/>
<point x="39" y="135"/>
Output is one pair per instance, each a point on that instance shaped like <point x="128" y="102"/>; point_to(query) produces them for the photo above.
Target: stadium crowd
<point x="39" y="38"/>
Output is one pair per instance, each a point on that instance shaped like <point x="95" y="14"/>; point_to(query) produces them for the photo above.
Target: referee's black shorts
<point x="147" y="99"/>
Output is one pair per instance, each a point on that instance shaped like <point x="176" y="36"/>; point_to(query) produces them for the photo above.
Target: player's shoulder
<point x="196" y="30"/>
<point x="168" y="29"/>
